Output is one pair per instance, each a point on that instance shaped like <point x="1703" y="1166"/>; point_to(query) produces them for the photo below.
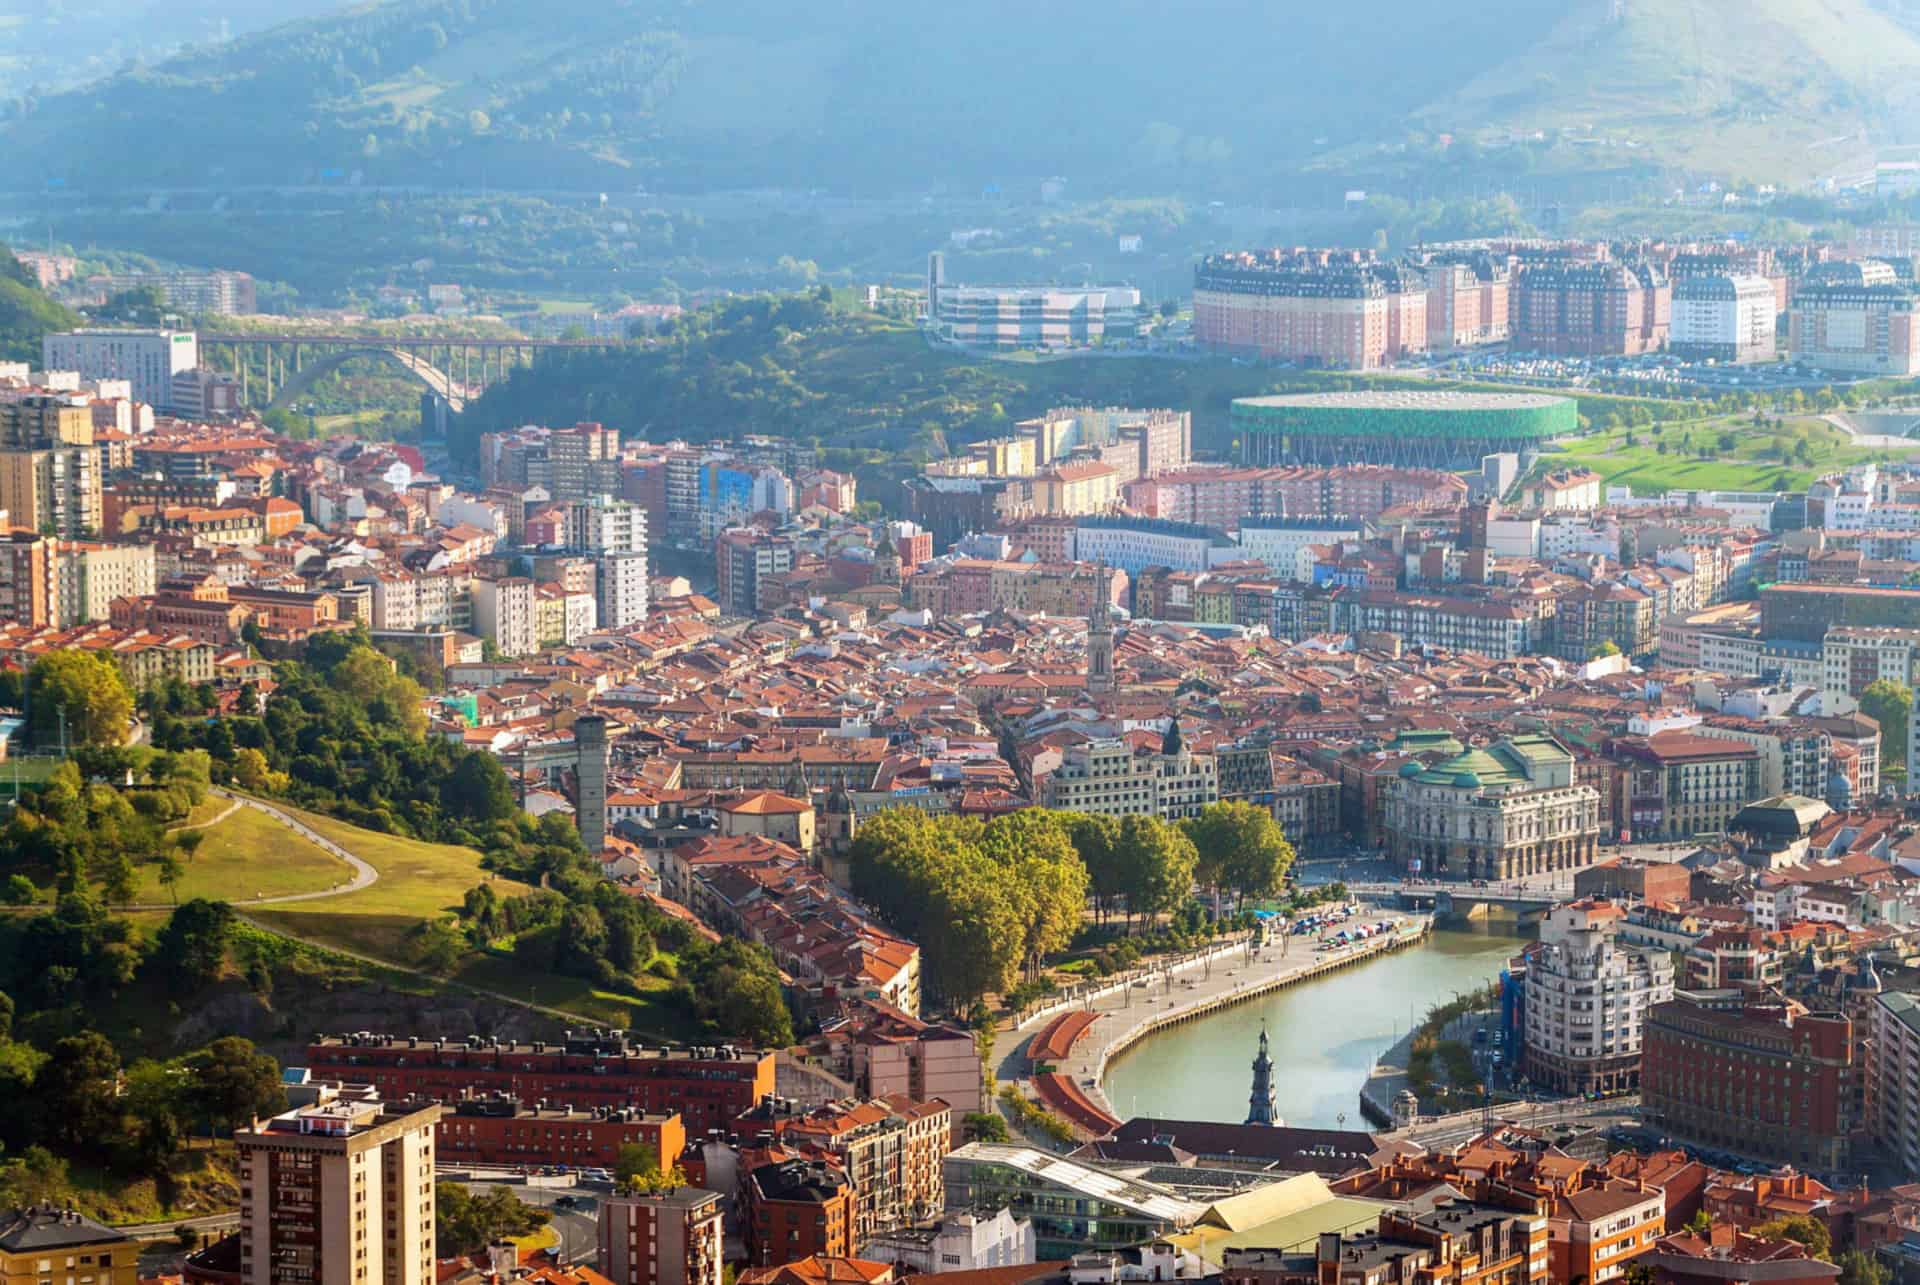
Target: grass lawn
<point x="1693" y="457"/>
<point x="651" y="1012"/>
<point x="425" y="880"/>
<point x="247" y="856"/>
<point x="210" y="807"/>
<point x="417" y="881"/>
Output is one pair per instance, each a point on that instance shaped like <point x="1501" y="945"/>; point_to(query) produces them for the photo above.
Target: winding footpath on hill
<point x="364" y="875"/>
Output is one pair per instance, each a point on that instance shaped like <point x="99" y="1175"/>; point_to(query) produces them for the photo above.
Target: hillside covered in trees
<point x="26" y="314"/>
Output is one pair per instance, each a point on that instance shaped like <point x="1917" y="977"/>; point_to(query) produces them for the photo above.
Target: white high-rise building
<point x="621" y="588"/>
<point x="147" y="359"/>
<point x="603" y="525"/>
<point x="1723" y="318"/>
<point x="1587" y="998"/>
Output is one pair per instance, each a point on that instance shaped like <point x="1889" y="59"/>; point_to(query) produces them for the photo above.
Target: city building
<point x="1600" y="309"/>
<point x="620" y="588"/>
<point x="744" y="558"/>
<point x="502" y="1130"/>
<point x="1073" y="1206"/>
<point x="1730" y="1256"/>
<point x="338" y="1192"/>
<point x="28" y="592"/>
<point x="1756" y="1075"/>
<point x="1506" y="811"/>
<point x="1596" y="1231"/>
<point x="797" y="1209"/>
<point x="583" y="463"/>
<point x="1109" y="777"/>
<point x="1133" y="544"/>
<point x="147" y="359"/>
<point x="1451" y="1242"/>
<point x="1855" y="316"/>
<point x="206" y="292"/>
<point x="958" y="1242"/>
<point x="1586" y="1000"/>
<point x="1027" y="316"/>
<point x="1802" y="612"/>
<point x="710" y="1087"/>
<point x="45" y="1243"/>
<point x="1723" y="318"/>
<point x="88" y="576"/>
<point x="661" y="1238"/>
<point x="1681" y="784"/>
<point x="1893" y="1083"/>
<point x="504" y="612"/>
<point x="55" y="491"/>
<point x="1469" y="301"/>
<point x="1343" y="309"/>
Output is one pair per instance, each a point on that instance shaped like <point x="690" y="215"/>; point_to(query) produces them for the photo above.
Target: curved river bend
<point x="1325" y="1036"/>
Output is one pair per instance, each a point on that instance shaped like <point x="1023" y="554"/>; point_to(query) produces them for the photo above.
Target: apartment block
<point x="1106" y="776"/>
<point x="55" y="491"/>
<point x="43" y="1243"/>
<point x="503" y="610"/>
<point x="339" y="1192"/>
<point x="664" y="1238"/>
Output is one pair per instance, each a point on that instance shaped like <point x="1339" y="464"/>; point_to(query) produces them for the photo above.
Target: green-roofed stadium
<point x="1407" y="429"/>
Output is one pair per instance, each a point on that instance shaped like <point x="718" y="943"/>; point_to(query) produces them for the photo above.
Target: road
<point x="211" y="1227"/>
<point x="579" y="1228"/>
<point x="1449" y="1131"/>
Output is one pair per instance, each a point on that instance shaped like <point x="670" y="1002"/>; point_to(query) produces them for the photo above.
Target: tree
<point x="19" y="891"/>
<point x="478" y="791"/>
<point x="154" y="1095"/>
<point x="234" y="1082"/>
<point x="1156" y="865"/>
<point x="985" y="1126"/>
<point x="1602" y="650"/>
<point x="749" y="1004"/>
<point x="196" y="940"/>
<point x="435" y="946"/>
<point x="466" y="1223"/>
<point x="639" y="1168"/>
<point x="1889" y="704"/>
<point x="119" y="880"/>
<point x="171" y="872"/>
<point x="35" y="1177"/>
<point x="1860" y="1268"/>
<point x="1701" y="1224"/>
<point x="1806" y="1230"/>
<point x="77" y="1092"/>
<point x="1240" y="846"/>
<point x="86" y="688"/>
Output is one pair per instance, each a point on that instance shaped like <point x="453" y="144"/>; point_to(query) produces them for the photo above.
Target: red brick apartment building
<point x="709" y="1086"/>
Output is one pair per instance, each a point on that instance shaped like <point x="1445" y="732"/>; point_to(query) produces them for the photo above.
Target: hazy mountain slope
<point x="55" y="44"/>
<point x="876" y="96"/>
<point x="1766" y="85"/>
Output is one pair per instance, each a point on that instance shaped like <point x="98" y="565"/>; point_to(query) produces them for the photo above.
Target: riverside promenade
<point x="1156" y="999"/>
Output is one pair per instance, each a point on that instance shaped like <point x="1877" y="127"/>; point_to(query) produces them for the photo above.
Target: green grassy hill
<point x="25" y="313"/>
<point x="868" y="96"/>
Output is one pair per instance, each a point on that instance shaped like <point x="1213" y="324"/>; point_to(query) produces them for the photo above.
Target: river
<point x="1324" y="1034"/>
